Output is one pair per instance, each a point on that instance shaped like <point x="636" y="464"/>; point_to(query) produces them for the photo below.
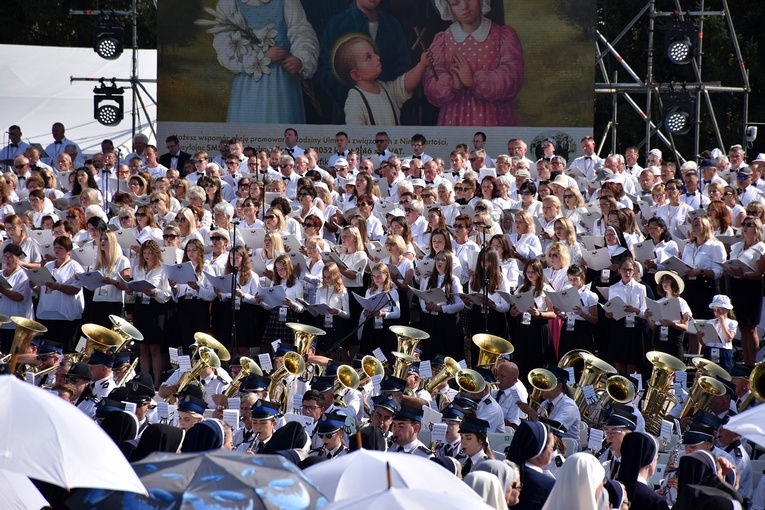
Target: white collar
<point x="480" y="34"/>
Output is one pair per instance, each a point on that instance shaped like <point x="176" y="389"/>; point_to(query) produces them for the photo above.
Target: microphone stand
<point x="234" y="283"/>
<point x="485" y="282"/>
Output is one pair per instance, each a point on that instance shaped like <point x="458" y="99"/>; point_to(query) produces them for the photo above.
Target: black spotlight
<point x="108" y="104"/>
<point x="680" y="38"/>
<point x="108" y="38"/>
<point x="679" y="111"/>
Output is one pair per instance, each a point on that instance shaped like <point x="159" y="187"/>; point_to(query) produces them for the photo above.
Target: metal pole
<point x="649" y="73"/>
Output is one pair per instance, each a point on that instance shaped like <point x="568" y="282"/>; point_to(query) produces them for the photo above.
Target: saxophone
<point x="665" y="491"/>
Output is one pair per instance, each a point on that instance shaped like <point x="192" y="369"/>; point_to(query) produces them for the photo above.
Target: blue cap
<point x="465" y="403"/>
<point x="741" y="370"/>
<point x="139" y="392"/>
<point x="471" y="425"/>
<point x="191" y="404"/>
<point x="193" y="390"/>
<point x="322" y="384"/>
<point x="556" y="427"/>
<point x="330" y="423"/>
<point x="391" y="383"/>
<point x="698" y="433"/>
<point x="107" y="405"/>
<point x="452" y="412"/>
<point x="100" y="358"/>
<point x="50" y="347"/>
<point x="283" y="349"/>
<point x="707" y="163"/>
<point x="414" y="368"/>
<point x="619" y="418"/>
<point x="236" y="361"/>
<point x="80" y="370"/>
<point x="709" y="419"/>
<point x="36" y="341"/>
<point x="122" y="358"/>
<point x="357" y="362"/>
<point x="438" y="359"/>
<point x="560" y="374"/>
<point x="262" y="410"/>
<point x="331" y="370"/>
<point x="254" y="383"/>
<point x="386" y="402"/>
<point x="409" y="413"/>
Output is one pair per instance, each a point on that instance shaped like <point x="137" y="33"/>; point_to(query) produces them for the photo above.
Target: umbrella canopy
<point x="409" y="499"/>
<point x="365" y="471"/>
<point x="17" y="492"/>
<point x="750" y="424"/>
<point x="48" y="439"/>
<point x="212" y="479"/>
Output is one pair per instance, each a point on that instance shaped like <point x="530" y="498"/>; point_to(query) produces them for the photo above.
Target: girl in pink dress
<point x="477" y="67"/>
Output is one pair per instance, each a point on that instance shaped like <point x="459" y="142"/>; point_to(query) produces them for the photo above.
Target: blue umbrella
<point x="210" y="480"/>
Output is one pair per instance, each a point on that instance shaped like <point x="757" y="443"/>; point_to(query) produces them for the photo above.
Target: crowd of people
<point x="551" y="256"/>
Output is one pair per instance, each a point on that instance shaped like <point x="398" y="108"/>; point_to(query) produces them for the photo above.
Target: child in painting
<point x="355" y="62"/>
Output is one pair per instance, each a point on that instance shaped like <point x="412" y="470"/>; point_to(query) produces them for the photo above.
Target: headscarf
<point x="701" y="497"/>
<point x="528" y="442"/>
<point x="446" y="12"/>
<point x="695" y="467"/>
<point x="576" y="483"/>
<point x="372" y="438"/>
<point x="500" y="470"/>
<point x="291" y="435"/>
<point x="204" y="436"/>
<point x="488" y="487"/>
<point x="619" y="248"/>
<point x="159" y="437"/>
<point x="638" y="451"/>
<point x="451" y="464"/>
<point x="120" y="425"/>
<point x="616" y="494"/>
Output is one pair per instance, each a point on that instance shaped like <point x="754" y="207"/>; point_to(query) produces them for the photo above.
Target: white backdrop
<point x="35" y="92"/>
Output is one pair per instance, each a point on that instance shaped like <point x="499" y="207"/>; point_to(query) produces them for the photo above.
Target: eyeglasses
<point x="75" y="379"/>
<point x="311" y="408"/>
<point x="459" y="226"/>
<point x="19" y="167"/>
<point x="232" y="162"/>
<point x="270" y="216"/>
<point x="416" y="144"/>
<point x="670" y="188"/>
<point x="325" y="436"/>
<point x="517" y="485"/>
<point x="211" y="185"/>
<point x="379" y="141"/>
<point x="140" y="214"/>
<point x="742" y="177"/>
<point x="181" y="220"/>
<point x="568" y="196"/>
<point x="215" y="238"/>
<point x="554" y="255"/>
<point x="627" y="269"/>
<point x="747" y="224"/>
<point x="285" y="166"/>
<point x="169" y="236"/>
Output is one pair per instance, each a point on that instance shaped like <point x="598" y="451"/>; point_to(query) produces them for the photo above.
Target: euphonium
<point x="594" y="374"/>
<point x="710" y="369"/>
<point x="491" y="348"/>
<point x="402" y="364"/>
<point x="293" y="364"/>
<point x="203" y="339"/>
<point x="207" y="358"/>
<point x="658" y="401"/>
<point x="98" y="338"/>
<point x="26" y="330"/>
<point x="618" y="389"/>
<point x="346" y="379"/>
<point x="126" y="330"/>
<point x="304" y="336"/>
<point x="703" y="390"/>
<point x="469" y="381"/>
<point x="451" y="367"/>
<point x="541" y="380"/>
<point x="408" y="338"/>
<point x="756" y="387"/>
<point x="248" y="367"/>
<point x="370" y="367"/>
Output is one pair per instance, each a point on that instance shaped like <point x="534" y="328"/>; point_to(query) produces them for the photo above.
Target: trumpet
<point x="248" y="367"/>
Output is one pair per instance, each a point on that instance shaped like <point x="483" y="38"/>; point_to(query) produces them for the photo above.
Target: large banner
<point x="443" y="68"/>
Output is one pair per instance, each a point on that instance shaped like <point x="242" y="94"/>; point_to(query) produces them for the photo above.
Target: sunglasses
<point x="379" y="141"/>
<point x="169" y="236"/>
<point x="568" y="196"/>
<point x="155" y="201"/>
<point x="742" y="177"/>
<point x="301" y="195"/>
<point x="325" y="436"/>
<point x="215" y="238"/>
<point x="19" y="167"/>
<point x="75" y="380"/>
<point x="285" y="166"/>
<point x="211" y="185"/>
<point x="480" y="208"/>
<point x="140" y="215"/>
<point x="270" y="217"/>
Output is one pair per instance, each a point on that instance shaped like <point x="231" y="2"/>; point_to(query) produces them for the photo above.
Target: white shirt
<point x="508" y="400"/>
<point x="54" y="304"/>
<point x="674" y="217"/>
<point x="705" y="257"/>
<point x="566" y="412"/>
<point x="490" y="410"/>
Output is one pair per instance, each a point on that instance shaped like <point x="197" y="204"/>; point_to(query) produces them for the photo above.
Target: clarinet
<point x="600" y="452"/>
<point x="252" y="443"/>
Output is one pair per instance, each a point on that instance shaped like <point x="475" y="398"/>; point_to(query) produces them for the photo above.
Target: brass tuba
<point x="469" y="381"/>
<point x="756" y="387"/>
<point x="304" y="336"/>
<point x="704" y="389"/>
<point x="618" y="389"/>
<point x="293" y="364"/>
<point x="370" y="367"/>
<point x="126" y="330"/>
<point x="594" y="374"/>
<point x="98" y="338"/>
<point x="248" y="367"/>
<point x="403" y="361"/>
<point x="346" y="379"/>
<point x="207" y="358"/>
<point x="658" y="401"/>
<point x="491" y="348"/>
<point x="710" y="369"/>
<point x="408" y="338"/>
<point x="205" y="340"/>
<point x="541" y="380"/>
<point x="26" y="330"/>
<point x="451" y="368"/>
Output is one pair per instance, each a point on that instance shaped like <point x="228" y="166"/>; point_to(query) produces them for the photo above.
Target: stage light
<point x="108" y="104"/>
<point x="108" y="38"/>
<point x="680" y="39"/>
<point x="679" y="112"/>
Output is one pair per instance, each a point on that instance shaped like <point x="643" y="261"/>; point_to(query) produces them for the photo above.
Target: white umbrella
<point x="750" y="424"/>
<point x="18" y="492"/>
<point x="46" y="438"/>
<point x="365" y="471"/>
<point x="409" y="499"/>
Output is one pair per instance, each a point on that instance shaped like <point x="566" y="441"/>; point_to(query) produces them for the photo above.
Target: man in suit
<point x="175" y="158"/>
